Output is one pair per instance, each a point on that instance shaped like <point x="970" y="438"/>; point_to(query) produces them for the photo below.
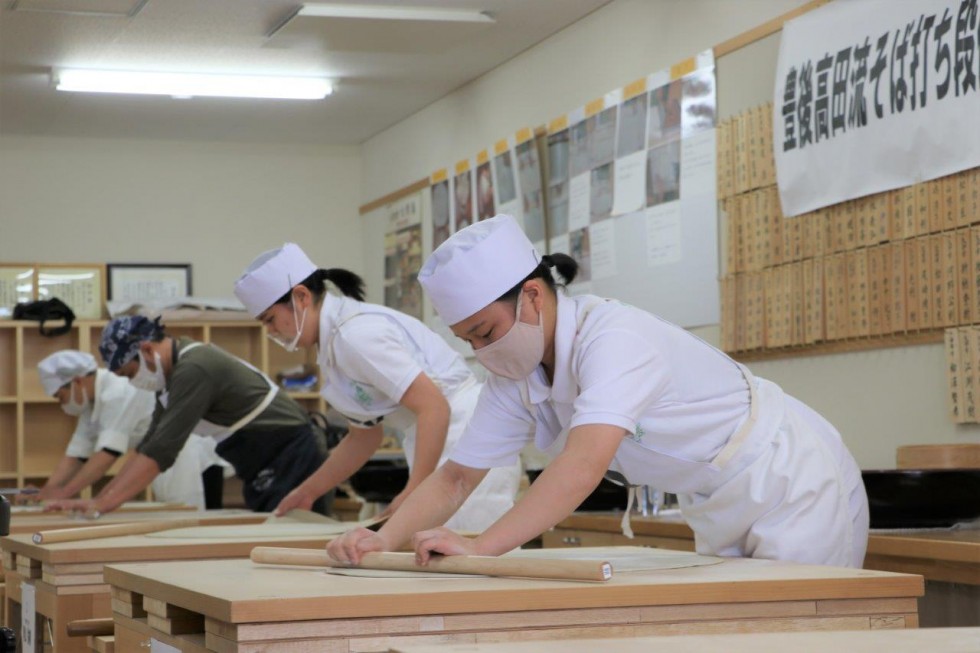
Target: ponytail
<point x="565" y="265"/>
<point x="347" y="282"/>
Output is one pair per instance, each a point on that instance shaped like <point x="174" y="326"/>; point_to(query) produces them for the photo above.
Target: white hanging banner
<point x="875" y="95"/>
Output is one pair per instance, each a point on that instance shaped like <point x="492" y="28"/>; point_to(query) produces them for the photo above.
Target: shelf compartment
<point x="47" y="431"/>
<point x="8" y="356"/>
<point x="243" y="342"/>
<point x="8" y="439"/>
<point x="36" y="349"/>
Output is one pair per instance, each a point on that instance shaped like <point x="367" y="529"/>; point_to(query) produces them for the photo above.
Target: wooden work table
<point x="31" y="522"/>
<point x="948" y="560"/>
<point x="237" y="605"/>
<point x="68" y="579"/>
<point x="947" y="640"/>
<point x="950" y="556"/>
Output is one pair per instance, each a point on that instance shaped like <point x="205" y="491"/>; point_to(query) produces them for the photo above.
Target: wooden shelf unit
<point x="33" y="429"/>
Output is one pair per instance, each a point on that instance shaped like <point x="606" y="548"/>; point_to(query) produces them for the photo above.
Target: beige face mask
<point x="518" y="352"/>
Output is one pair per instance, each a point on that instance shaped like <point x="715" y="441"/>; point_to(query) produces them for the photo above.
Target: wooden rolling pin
<point x="90" y="627"/>
<point x="593" y="570"/>
<point x="108" y="530"/>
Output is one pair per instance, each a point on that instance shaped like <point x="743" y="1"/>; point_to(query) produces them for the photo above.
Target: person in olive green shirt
<point x="266" y="436"/>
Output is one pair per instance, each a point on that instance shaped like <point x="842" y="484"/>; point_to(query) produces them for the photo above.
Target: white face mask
<point x="73" y="408"/>
<point x="518" y="352"/>
<point x="147" y="380"/>
<point x="292" y="344"/>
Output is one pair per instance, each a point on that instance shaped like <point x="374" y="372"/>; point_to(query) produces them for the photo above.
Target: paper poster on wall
<point x="28" y="617"/>
<point x="463" y="195"/>
<point x="874" y="95"/>
<point x="505" y="181"/>
<point x="649" y="155"/>
<point x="579" y="201"/>
<point x="441" y="210"/>
<point x="602" y="241"/>
<point x="629" y="183"/>
<point x="663" y="234"/>
<point x="560" y="244"/>
<point x="403" y="255"/>
<point x="558" y="178"/>
<point x="529" y="178"/>
<point x="580" y="249"/>
<point x="485" y="201"/>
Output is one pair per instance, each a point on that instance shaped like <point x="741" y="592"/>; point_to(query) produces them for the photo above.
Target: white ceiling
<point x="384" y="70"/>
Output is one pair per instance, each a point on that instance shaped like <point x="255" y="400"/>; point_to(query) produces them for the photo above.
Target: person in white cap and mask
<point x="266" y="436"/>
<point x="113" y="417"/>
<point x="603" y="387"/>
<point x="375" y="364"/>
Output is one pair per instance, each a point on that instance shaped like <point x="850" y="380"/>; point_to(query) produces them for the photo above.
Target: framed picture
<point x="80" y="285"/>
<point x="17" y="286"/>
<point x="140" y="282"/>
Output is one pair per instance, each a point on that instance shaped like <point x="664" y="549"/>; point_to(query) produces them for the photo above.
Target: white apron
<point x="784" y="487"/>
<point x="495" y="494"/>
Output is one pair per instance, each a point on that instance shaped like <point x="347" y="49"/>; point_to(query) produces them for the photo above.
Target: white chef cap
<point x="476" y="266"/>
<point x="61" y="367"/>
<point x="271" y="275"/>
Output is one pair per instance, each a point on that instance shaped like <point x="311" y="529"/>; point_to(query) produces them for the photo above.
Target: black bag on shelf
<point x="43" y="310"/>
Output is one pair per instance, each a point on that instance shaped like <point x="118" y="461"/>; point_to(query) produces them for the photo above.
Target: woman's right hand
<point x="295" y="499"/>
<point x="353" y="544"/>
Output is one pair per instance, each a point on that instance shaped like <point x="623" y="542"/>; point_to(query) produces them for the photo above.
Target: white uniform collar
<point x="101" y="381"/>
<point x="331" y="312"/>
<point x="564" y="388"/>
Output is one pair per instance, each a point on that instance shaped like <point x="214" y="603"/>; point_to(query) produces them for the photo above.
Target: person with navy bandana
<point x="265" y="435"/>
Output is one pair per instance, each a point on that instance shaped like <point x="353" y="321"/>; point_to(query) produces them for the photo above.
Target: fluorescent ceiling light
<point x="386" y="12"/>
<point x="185" y="85"/>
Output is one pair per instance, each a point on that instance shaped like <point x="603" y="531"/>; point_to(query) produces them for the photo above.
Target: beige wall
<point x="215" y="206"/>
<point x="879" y="399"/>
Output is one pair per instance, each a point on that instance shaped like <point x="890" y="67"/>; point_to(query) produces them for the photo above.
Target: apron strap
<point x="255" y="412"/>
<point x="731" y="448"/>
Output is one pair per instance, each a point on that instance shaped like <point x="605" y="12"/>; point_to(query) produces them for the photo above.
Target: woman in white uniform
<point x="375" y="364"/>
<point x="113" y="417"/>
<point x="600" y="386"/>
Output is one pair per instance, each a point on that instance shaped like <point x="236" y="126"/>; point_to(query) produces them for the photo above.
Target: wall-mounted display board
<point x="884" y="269"/>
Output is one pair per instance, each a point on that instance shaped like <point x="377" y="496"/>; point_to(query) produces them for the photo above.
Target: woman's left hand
<point x="441" y="541"/>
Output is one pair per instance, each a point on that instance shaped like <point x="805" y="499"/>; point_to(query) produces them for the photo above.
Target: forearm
<point x="62" y="474"/>
<point x="431" y="429"/>
<point x="432" y="503"/>
<point x="560" y="489"/>
<point x="93" y="469"/>
<point x="138" y="472"/>
<point x="354" y="450"/>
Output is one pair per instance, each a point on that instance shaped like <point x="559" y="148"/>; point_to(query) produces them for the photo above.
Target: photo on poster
<point x="664" y="118"/>
<point x="580" y="250"/>
<point x="601" y="201"/>
<point x="579" y="148"/>
<point x="403" y="258"/>
<point x="534" y="216"/>
<point x="602" y="137"/>
<point x="698" y="102"/>
<point x="528" y="167"/>
<point x="664" y="173"/>
<point x="463" y="196"/>
<point x="557" y="209"/>
<point x="441" y="229"/>
<point x="558" y="157"/>
<point x="484" y="192"/>
<point x="506" y="188"/>
<point x="632" y="126"/>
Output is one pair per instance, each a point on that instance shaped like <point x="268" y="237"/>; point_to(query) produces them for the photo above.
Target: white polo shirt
<point x="369" y="355"/>
<point x="678" y="398"/>
<point x="117" y="420"/>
